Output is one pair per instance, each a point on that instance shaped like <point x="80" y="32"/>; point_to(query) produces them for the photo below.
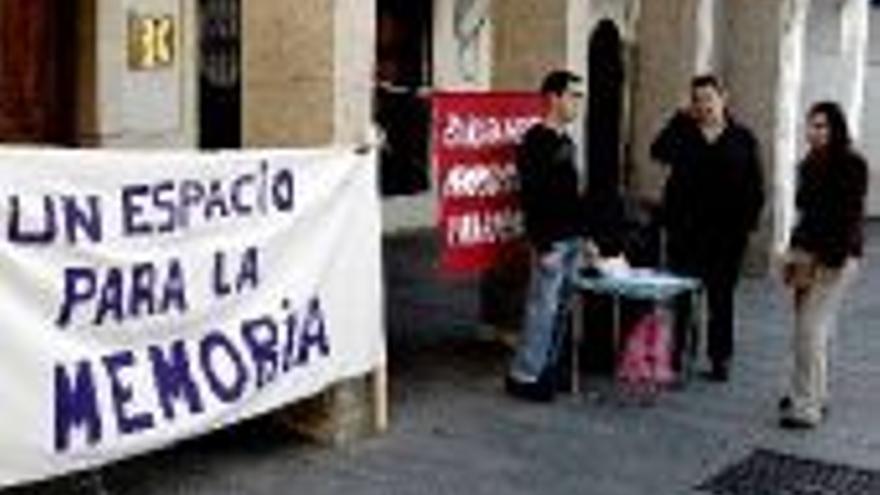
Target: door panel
<point x="36" y="70"/>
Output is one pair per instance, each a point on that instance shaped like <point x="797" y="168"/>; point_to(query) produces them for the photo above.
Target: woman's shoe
<point x="538" y="391"/>
<point x="786" y="404"/>
<point x="794" y="423"/>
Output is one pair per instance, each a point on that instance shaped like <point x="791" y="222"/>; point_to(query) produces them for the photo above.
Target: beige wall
<point x="288" y="88"/>
<point x="835" y="56"/>
<point x="666" y="60"/>
<point x="354" y="57"/>
<point x="824" y="69"/>
<point x="871" y="114"/>
<point x="753" y="69"/>
<point x="308" y="71"/>
<point x="120" y="106"/>
<point x="783" y="143"/>
<point x="530" y="38"/>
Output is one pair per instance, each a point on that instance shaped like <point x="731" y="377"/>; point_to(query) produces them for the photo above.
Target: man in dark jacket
<point x="551" y="201"/>
<point x="712" y="200"/>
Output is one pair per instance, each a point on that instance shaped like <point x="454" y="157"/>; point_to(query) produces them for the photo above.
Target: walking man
<point x="712" y="200"/>
<point x="552" y="204"/>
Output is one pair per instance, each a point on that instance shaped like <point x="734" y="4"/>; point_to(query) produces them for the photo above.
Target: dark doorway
<point x="38" y="71"/>
<point x="606" y="75"/>
<point x="402" y="107"/>
<point x="220" y="73"/>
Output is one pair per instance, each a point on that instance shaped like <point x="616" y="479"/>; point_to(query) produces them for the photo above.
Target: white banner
<point x="146" y="297"/>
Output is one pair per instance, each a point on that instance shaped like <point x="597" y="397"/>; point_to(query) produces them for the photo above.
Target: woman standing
<point x="822" y="260"/>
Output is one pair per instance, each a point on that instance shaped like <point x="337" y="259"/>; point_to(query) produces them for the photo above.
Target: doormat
<point x="765" y="472"/>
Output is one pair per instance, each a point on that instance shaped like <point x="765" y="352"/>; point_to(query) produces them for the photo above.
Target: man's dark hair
<point x="707" y="81"/>
<point x="558" y="81"/>
<point x="838" y="130"/>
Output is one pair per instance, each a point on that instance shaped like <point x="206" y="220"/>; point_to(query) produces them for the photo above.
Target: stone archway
<point x="605" y="110"/>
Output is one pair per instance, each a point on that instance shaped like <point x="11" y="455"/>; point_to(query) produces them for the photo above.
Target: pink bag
<point x="646" y="362"/>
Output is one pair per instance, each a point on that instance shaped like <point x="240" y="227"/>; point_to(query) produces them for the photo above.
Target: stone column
<point x="825" y="59"/>
<point x="871" y="113"/>
<point x="119" y="105"/>
<point x="855" y="56"/>
<point x="669" y="54"/>
<point x="307" y="68"/>
<point x="782" y="146"/>
<point x="288" y="73"/>
<point x="835" y="51"/>
<point x="755" y="71"/>
<point x="775" y="67"/>
<point x="782" y="56"/>
<point x="354" y="58"/>
<point x="708" y="38"/>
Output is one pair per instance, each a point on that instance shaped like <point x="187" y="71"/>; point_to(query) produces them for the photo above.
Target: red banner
<point x="474" y="138"/>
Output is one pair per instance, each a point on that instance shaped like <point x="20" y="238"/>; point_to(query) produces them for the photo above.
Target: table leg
<point x="615" y="327"/>
<point x="699" y="324"/>
<point x="666" y="309"/>
<point x="577" y="335"/>
<point x="703" y="333"/>
<point x="692" y="333"/>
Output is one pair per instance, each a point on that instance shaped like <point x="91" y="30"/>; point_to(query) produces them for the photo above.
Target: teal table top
<point x="638" y="283"/>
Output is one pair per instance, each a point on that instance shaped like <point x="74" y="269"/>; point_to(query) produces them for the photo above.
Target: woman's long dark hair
<point x="839" y="139"/>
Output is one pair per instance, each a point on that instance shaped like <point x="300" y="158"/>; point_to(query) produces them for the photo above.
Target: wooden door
<point x="220" y="85"/>
<point x="37" y="70"/>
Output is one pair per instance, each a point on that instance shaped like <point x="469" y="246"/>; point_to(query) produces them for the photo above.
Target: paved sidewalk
<point x="455" y="432"/>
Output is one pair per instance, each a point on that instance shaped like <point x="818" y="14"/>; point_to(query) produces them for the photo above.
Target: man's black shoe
<point x="562" y="381"/>
<point x="792" y="423"/>
<point x="562" y="374"/>
<point x="540" y="391"/>
<point x="786" y="404"/>
<point x="719" y="373"/>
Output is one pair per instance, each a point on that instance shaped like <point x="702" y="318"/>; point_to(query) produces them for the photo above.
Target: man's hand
<point x="799" y="269"/>
<point x="591" y="252"/>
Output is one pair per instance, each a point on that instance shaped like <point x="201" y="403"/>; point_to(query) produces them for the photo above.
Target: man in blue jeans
<point x="552" y="203"/>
